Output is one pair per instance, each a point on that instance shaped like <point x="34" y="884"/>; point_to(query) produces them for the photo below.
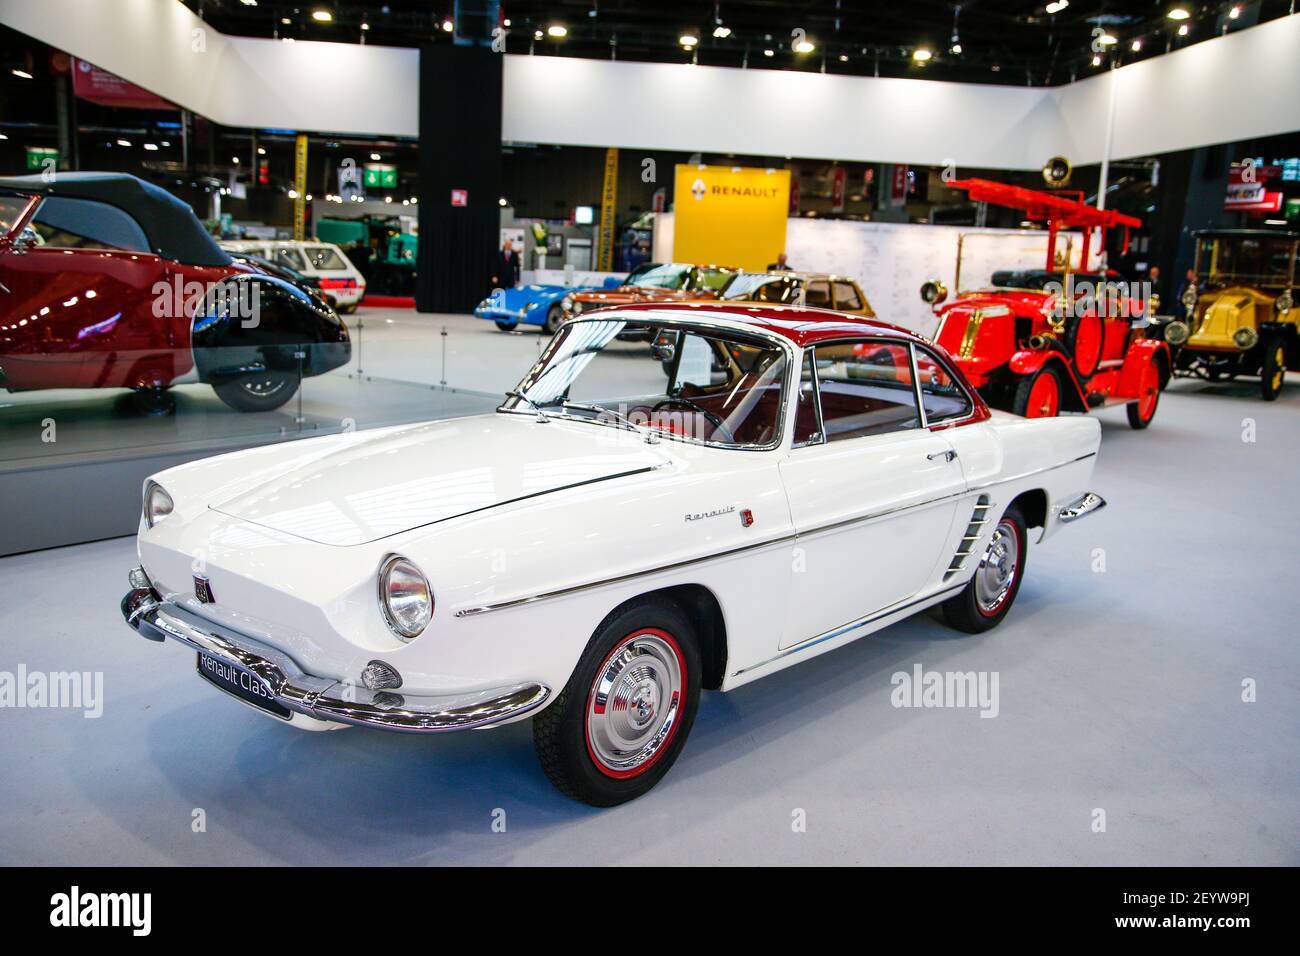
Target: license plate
<point x="240" y="684"/>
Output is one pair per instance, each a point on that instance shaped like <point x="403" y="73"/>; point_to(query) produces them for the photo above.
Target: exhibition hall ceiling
<point x="1016" y="42"/>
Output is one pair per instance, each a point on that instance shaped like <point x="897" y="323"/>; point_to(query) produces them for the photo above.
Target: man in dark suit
<point x="781" y="265"/>
<point x="507" y="267"/>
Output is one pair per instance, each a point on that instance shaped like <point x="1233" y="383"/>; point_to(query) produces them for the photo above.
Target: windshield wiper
<point x="541" y="415"/>
<point x="650" y="435"/>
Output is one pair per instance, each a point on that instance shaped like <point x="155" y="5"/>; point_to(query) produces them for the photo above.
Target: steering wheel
<point x="713" y="419"/>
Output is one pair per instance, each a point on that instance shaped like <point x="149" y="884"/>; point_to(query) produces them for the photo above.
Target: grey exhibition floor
<point x="1118" y="690"/>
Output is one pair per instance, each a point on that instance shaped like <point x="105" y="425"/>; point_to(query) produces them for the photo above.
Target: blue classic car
<point x="532" y="304"/>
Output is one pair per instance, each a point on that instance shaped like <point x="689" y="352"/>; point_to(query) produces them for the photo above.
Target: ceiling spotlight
<point x="1137" y="46"/>
<point x="921" y="54"/>
<point x="955" y="49"/>
<point x="804" y="46"/>
<point x="151" y="147"/>
<point x="447" y="25"/>
<point x="123" y="142"/>
<point x="557" y="30"/>
<point x="769" y="53"/>
<point x="721" y="32"/>
<point x="1234" y="13"/>
<point x="322" y="16"/>
<point x="688" y="40"/>
<point x="1107" y="39"/>
<point x="307" y="197"/>
<point x="285" y="21"/>
<point x="249" y="3"/>
<point x="235" y="160"/>
<point x="502" y="201"/>
<point x="1178" y="13"/>
<point x="538" y="35"/>
<point x="1057" y="6"/>
<point x="844" y="58"/>
<point x="364" y="25"/>
<point x="1182" y="31"/>
<point x="261" y="151"/>
<point x="292" y="194"/>
<point x="1096" y="60"/>
<point x="505" y="22"/>
<point x="22" y="74"/>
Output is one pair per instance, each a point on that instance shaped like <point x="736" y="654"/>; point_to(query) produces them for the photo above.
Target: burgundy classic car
<point x="107" y="281"/>
<point x="1039" y="342"/>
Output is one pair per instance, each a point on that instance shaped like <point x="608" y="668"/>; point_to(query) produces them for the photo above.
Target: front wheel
<point x="506" y="326"/>
<point x="624" y="715"/>
<point x="1273" y="373"/>
<point x="989" y="594"/>
<point x="1039" y="396"/>
<point x="1143" y="410"/>
<point x="260" y="392"/>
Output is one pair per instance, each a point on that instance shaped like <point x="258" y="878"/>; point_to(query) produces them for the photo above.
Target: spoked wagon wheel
<point x="1273" y="372"/>
<point x="1084" y="338"/>
<point x="1143" y="410"/>
<point x="625" y="714"/>
<point x="1039" y="396"/>
<point x="992" y="590"/>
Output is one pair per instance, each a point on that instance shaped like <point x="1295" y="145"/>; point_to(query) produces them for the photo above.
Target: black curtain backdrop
<point x="460" y="148"/>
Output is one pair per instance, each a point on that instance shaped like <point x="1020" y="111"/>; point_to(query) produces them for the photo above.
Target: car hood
<point x="417" y="475"/>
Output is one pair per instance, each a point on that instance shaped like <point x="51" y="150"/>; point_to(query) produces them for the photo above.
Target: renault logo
<point x="698" y="189"/>
<point x="203" y="589"/>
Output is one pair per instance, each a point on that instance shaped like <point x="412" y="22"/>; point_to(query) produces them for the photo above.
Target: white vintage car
<point x="722" y="494"/>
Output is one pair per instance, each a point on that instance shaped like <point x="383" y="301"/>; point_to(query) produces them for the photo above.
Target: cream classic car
<point x="636" y="523"/>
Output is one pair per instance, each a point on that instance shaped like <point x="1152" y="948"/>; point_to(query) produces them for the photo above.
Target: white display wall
<point x="891" y="260"/>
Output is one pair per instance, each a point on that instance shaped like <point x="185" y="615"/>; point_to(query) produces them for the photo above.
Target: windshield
<point x="325" y="259"/>
<point x="717" y="388"/>
<point x="1246" y="260"/>
<point x="11" y="207"/>
<point x="754" y="287"/>
<point x="659" y="276"/>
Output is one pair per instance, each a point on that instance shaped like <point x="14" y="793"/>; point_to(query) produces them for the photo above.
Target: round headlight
<point x="157" y="504"/>
<point x="1245" y="337"/>
<point x="1189" y="298"/>
<point x="577" y="308"/>
<point x="1285" y="302"/>
<point x="1176" y="332"/>
<point x="404" y="597"/>
<point x="566" y="303"/>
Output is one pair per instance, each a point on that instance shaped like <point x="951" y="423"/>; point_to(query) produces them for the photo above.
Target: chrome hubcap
<point x="635" y="703"/>
<point x="997" y="570"/>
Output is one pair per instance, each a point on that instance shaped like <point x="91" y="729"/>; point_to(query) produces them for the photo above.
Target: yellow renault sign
<point x="730" y="216"/>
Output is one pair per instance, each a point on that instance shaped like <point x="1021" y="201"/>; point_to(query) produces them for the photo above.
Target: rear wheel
<point x="1273" y="373"/>
<point x="1039" y="396"/>
<point x="507" y="326"/>
<point x="989" y="594"/>
<point x="1143" y="410"/>
<point x="622" y="719"/>
<point x="554" y="319"/>
<point x="261" y="392"/>
<point x="1083" y="338"/>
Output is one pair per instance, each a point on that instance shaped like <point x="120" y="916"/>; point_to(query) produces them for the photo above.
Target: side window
<point x="819" y="295"/>
<point x="807" y="418"/>
<point x="942" y="396"/>
<point x="847" y="298"/>
<point x="289" y="256"/>
<point x="866" y="389"/>
<point x="65" y="223"/>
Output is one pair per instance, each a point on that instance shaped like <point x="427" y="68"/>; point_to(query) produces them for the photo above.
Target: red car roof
<point x="801" y="326"/>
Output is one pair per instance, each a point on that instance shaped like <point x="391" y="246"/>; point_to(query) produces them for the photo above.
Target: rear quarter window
<point x="325" y="259"/>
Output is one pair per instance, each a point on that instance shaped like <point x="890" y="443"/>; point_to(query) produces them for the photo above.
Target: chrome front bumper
<point x="1081" y="507"/>
<point x="320" y="697"/>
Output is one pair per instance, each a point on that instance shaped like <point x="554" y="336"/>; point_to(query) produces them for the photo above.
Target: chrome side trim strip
<point x="1081" y="507"/>
<point x="847" y="628"/>
<point x="475" y="610"/>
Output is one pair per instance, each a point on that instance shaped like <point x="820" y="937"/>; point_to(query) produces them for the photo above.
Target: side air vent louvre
<point x="974" y="531"/>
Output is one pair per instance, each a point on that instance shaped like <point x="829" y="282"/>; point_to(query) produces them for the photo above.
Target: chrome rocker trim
<point x="320" y="697"/>
<point x="1081" y="507"/>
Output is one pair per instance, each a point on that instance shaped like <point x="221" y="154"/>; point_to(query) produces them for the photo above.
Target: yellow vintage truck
<point x="1240" y="316"/>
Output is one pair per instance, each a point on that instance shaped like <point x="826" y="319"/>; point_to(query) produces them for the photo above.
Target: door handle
<point x="947" y="455"/>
